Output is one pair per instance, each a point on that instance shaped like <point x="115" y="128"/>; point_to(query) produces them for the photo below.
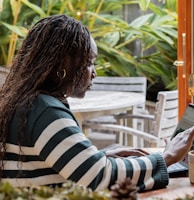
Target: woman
<point x="42" y="143"/>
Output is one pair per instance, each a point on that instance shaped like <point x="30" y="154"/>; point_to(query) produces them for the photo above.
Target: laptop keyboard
<point x="177" y="167"/>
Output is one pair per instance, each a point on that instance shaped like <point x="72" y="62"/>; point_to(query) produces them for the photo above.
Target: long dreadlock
<point x="54" y="43"/>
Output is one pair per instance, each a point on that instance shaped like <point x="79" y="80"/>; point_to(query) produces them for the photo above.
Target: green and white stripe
<point x="55" y="149"/>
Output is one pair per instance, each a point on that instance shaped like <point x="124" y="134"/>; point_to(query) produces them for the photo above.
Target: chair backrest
<point x="125" y="84"/>
<point x="166" y="115"/>
<point x="132" y="84"/>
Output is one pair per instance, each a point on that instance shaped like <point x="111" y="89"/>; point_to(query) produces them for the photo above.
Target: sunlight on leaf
<point x="34" y="7"/>
<point x="111" y="38"/>
<point x="19" y="30"/>
<point x="140" y="21"/>
<point x="1" y="5"/>
<point x="16" y="7"/>
<point x="144" y="4"/>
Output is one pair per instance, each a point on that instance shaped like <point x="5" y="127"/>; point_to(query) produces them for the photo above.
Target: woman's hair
<point x="54" y="44"/>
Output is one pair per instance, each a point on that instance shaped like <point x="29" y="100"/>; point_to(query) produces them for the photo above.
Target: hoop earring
<point x="62" y="75"/>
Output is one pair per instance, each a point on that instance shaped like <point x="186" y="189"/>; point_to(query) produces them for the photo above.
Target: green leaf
<point x="140" y="21"/>
<point x="111" y="39"/>
<point x="168" y="31"/>
<point x="4" y="39"/>
<point x="15" y="6"/>
<point x="110" y="6"/>
<point x="171" y="5"/>
<point x="144" y="4"/>
<point x="123" y="55"/>
<point x="34" y="7"/>
<point x="21" y="31"/>
<point x="156" y="9"/>
<point x="163" y="36"/>
<point x="1" y="6"/>
<point x="149" y="41"/>
<point x="158" y="21"/>
<point x="120" y="61"/>
<point x="109" y="19"/>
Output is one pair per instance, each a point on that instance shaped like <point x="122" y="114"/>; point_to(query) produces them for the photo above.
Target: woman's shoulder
<point x="48" y="106"/>
<point x="44" y="100"/>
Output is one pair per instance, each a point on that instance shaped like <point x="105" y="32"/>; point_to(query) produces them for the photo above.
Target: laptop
<point x="186" y="122"/>
<point x="181" y="168"/>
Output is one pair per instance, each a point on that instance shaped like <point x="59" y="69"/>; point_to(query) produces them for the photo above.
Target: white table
<point x="98" y="103"/>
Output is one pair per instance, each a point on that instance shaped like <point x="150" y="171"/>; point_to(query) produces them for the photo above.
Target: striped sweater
<point x="55" y="149"/>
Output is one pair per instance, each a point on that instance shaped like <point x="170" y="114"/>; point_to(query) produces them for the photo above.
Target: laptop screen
<point x="186" y="121"/>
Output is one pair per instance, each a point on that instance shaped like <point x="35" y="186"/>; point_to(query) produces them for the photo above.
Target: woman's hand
<point x="125" y="152"/>
<point x="179" y="146"/>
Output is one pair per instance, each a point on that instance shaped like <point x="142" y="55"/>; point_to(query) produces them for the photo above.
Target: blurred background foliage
<point x="154" y="30"/>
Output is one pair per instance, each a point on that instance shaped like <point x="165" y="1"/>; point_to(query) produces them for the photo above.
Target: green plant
<point x="160" y="32"/>
<point x="15" y="19"/>
<point x="69" y="191"/>
<point x="156" y="30"/>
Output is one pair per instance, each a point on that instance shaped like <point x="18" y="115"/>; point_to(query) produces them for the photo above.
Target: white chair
<point x="165" y="120"/>
<point x="125" y="84"/>
<point x="123" y="131"/>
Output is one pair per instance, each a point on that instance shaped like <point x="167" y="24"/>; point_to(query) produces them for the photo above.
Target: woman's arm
<point x="179" y="146"/>
<point x="61" y="144"/>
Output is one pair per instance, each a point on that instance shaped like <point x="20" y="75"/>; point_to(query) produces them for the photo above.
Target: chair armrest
<point x="138" y="116"/>
<point x="123" y="130"/>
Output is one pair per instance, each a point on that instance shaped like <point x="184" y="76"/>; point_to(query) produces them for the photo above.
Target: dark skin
<point x="175" y="150"/>
<point x="179" y="146"/>
<point x="90" y="73"/>
<point x="125" y="152"/>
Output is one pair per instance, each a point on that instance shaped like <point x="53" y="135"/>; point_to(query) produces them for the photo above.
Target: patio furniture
<point x="165" y="120"/>
<point x="124" y="84"/>
<point x="100" y="103"/>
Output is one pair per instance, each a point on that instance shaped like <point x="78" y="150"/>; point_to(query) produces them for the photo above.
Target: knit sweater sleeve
<point x="59" y="141"/>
